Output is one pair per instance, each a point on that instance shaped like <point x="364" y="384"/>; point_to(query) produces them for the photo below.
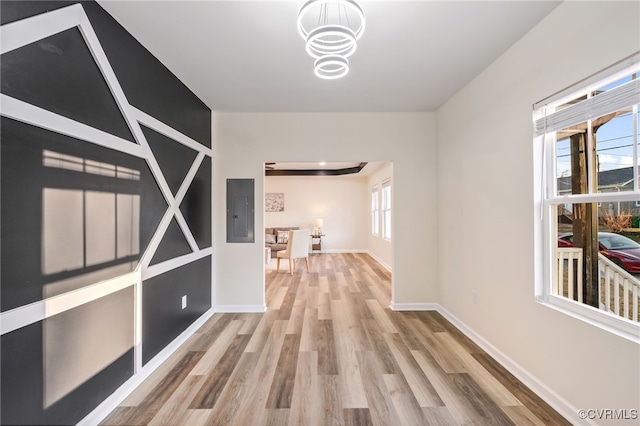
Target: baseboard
<point x="413" y="306"/>
<point x="557" y="402"/>
<point x="111" y="403"/>
<point x="380" y="261"/>
<point x="237" y="309"/>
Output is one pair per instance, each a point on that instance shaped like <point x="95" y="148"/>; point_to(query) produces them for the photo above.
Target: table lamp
<point x="318" y="224"/>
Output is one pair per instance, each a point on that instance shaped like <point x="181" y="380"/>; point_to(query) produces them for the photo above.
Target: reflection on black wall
<point x="47" y="251"/>
<point x="27" y="398"/>
<point x="74" y="213"/>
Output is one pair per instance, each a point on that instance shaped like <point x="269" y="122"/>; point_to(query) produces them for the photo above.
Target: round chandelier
<point x="331" y="30"/>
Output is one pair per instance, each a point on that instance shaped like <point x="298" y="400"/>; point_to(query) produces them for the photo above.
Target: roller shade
<point x="613" y="100"/>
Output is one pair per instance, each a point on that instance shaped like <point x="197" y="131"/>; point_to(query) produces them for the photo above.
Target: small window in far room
<point x="386" y="209"/>
<point x="375" y="211"/>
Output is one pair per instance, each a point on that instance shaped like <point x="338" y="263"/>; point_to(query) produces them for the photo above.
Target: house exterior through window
<point x="590" y="203"/>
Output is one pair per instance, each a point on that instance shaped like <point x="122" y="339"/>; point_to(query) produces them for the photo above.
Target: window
<point x="589" y="135"/>
<point x="375" y="210"/>
<point x="386" y="209"/>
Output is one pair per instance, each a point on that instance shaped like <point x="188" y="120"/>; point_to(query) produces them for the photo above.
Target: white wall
<point x="380" y="248"/>
<point x="244" y="141"/>
<point x="340" y="201"/>
<point x="487" y="218"/>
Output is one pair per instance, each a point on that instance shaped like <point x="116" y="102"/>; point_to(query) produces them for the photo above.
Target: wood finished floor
<point x="329" y="351"/>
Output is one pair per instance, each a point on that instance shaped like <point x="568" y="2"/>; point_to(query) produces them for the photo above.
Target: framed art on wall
<point x="274" y="202"/>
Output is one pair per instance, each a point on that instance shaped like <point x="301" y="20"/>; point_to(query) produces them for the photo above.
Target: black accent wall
<point x="174" y="159"/>
<point x="148" y="84"/>
<point x="25" y="178"/>
<point x="75" y="213"/>
<point x="163" y="317"/>
<point x="24" y="364"/>
<point x="59" y="74"/>
<point x="196" y="208"/>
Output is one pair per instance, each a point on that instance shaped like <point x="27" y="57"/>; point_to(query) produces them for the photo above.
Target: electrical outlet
<point x="474" y="297"/>
<point x="184" y="301"/>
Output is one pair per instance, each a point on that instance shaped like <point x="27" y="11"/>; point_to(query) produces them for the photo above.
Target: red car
<point x="623" y="251"/>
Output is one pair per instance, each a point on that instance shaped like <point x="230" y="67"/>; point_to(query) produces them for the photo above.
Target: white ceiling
<point x="248" y="56"/>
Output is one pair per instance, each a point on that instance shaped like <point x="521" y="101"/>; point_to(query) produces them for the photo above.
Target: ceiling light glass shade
<point x="331" y="40"/>
<point x="331" y="67"/>
<point x="322" y="11"/>
<point x="331" y="29"/>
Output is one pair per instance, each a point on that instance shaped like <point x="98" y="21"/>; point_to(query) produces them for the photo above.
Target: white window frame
<point x="385" y="211"/>
<point x="547" y="199"/>
<point x="375" y="211"/>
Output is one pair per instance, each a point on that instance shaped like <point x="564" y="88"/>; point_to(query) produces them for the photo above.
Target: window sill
<point x="604" y="320"/>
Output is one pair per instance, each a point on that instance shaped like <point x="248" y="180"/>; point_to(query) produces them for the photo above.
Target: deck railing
<point x="568" y="282"/>
<point x="618" y="290"/>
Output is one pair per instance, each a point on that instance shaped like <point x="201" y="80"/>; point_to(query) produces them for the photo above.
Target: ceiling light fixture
<point x="331" y="30"/>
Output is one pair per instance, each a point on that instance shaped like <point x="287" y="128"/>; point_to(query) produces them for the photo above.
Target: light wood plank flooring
<point x="329" y="351"/>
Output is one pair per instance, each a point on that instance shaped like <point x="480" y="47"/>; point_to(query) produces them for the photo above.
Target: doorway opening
<point x="346" y="206"/>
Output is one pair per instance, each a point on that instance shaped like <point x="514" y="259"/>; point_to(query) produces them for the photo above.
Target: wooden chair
<point x="297" y="248"/>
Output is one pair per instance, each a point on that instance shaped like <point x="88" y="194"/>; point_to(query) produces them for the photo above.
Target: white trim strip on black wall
<point x="169" y="132"/>
<point x="36" y="116"/>
<point x="27" y="31"/>
<point x="25" y="315"/>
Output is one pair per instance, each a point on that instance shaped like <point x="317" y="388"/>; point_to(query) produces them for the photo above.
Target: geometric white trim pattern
<point x="169" y="132"/>
<point x="20" y="33"/>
